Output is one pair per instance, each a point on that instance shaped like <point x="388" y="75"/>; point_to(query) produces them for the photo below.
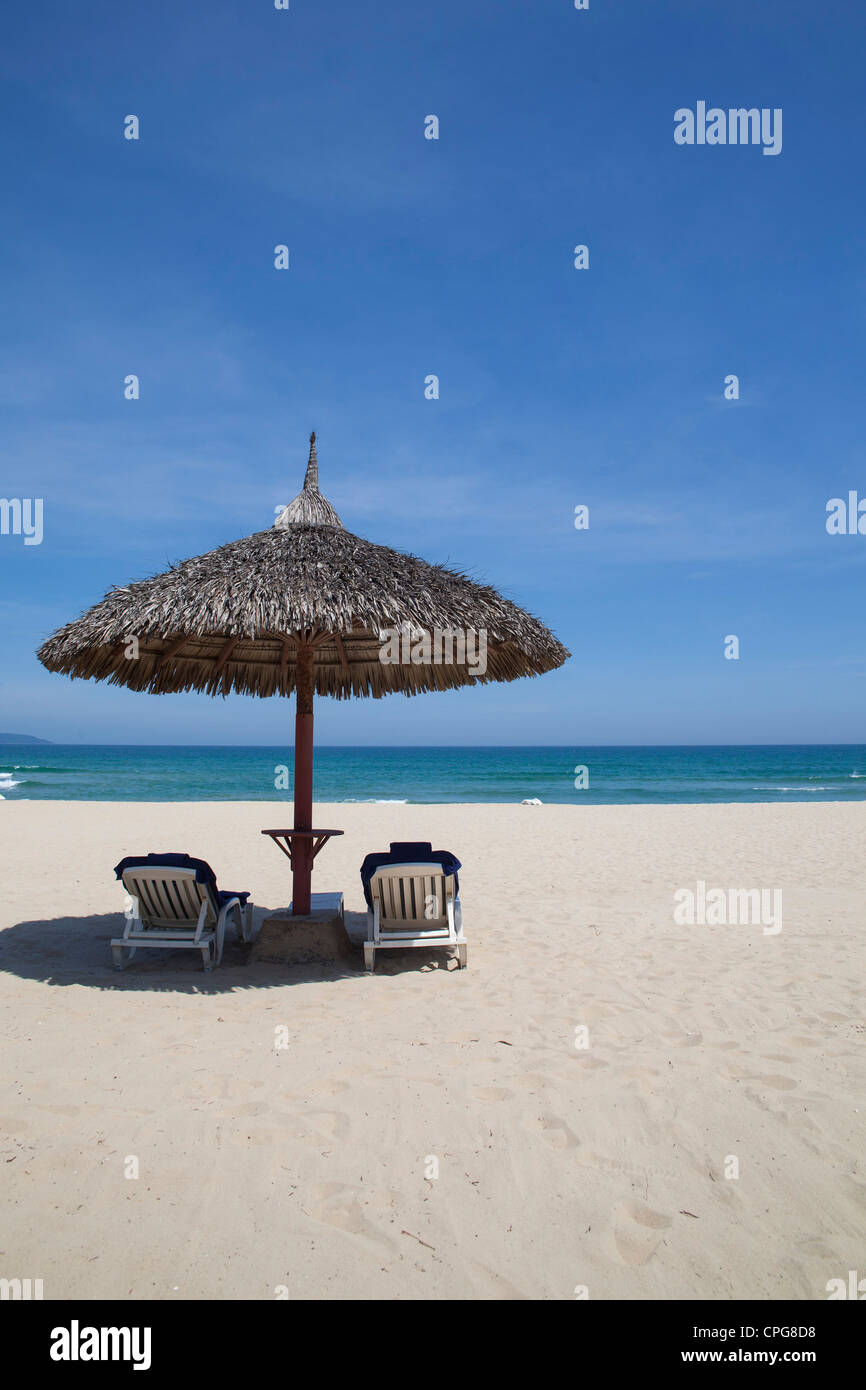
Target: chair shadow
<point x="393" y="961"/>
<point x="65" y="951"/>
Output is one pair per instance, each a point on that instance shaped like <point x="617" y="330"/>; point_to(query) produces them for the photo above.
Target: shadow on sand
<point x="76" y="951"/>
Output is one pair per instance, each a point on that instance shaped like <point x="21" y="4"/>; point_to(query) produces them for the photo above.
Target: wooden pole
<point x="302" y="849"/>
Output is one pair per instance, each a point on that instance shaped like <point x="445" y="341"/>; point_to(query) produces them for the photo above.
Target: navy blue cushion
<point x="409" y="852"/>
<point x="203" y="871"/>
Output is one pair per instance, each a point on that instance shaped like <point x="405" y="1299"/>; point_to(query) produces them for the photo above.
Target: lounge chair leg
<point x="208" y="954"/>
<point x="240" y="923"/>
<point x="121" y="955"/>
<point x="220" y="939"/>
<point x="369" y="956"/>
<point x="462" y="953"/>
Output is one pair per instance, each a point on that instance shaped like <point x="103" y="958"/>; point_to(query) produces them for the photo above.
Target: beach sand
<point x="307" y="1168"/>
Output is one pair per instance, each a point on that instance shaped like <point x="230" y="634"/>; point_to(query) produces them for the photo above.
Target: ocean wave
<point x="796" y="789"/>
<point x="6" y="781"/>
<point x="37" y="767"/>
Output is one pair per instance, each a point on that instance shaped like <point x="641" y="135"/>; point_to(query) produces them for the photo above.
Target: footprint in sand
<point x="776" y="1083"/>
<point x="319" y="1125"/>
<point x="253" y="1107"/>
<point x="637" y="1231"/>
<point x="492" y="1093"/>
<point x="555" y="1132"/>
<point x="326" y="1088"/>
<point x="336" y="1205"/>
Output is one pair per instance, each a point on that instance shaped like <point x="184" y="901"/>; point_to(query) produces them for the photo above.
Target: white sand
<point x="558" y="1167"/>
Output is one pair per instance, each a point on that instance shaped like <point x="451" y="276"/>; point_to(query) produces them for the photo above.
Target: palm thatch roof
<point x="235" y="618"/>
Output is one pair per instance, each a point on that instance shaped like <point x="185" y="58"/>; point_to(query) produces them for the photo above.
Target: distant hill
<point x="22" y="738"/>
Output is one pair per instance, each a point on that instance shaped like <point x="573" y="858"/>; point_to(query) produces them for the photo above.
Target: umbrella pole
<point x="302" y="849"/>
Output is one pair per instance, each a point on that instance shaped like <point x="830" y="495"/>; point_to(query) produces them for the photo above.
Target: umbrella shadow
<point x="65" y="951"/>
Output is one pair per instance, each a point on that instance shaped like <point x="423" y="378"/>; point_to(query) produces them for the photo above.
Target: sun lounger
<point x="412" y="900"/>
<point x="176" y="904"/>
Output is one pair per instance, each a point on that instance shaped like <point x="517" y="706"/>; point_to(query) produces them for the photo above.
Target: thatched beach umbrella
<point x="303" y="606"/>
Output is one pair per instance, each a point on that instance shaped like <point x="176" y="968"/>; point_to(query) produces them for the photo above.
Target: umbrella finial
<point x="311" y="482"/>
<point x="309" y="508"/>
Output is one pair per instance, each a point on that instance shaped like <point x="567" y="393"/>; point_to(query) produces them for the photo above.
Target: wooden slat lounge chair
<point x="413" y="904"/>
<point x="176" y="904"/>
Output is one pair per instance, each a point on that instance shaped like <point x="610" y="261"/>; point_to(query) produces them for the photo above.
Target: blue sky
<point x="454" y="257"/>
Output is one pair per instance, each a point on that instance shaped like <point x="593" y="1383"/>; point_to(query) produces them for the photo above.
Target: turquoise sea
<point x="101" y="772"/>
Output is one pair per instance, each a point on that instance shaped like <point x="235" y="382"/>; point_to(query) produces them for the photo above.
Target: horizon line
<point x="74" y="743"/>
